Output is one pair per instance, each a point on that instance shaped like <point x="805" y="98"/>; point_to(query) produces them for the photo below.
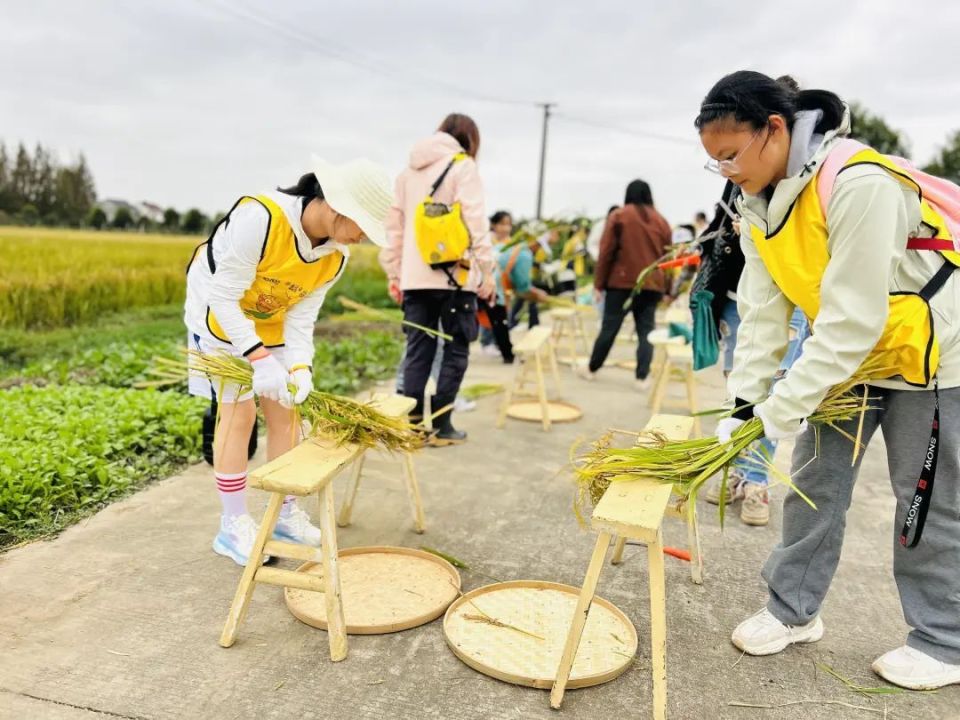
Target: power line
<point x="326" y="46"/>
<point x="646" y="134"/>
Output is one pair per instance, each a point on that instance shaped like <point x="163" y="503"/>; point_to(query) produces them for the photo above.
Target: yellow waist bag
<point x="441" y="235"/>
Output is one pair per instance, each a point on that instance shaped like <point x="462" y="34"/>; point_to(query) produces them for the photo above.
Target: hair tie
<point x="718" y="106"/>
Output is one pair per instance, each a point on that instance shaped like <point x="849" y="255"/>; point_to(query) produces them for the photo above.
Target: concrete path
<point x="119" y="616"/>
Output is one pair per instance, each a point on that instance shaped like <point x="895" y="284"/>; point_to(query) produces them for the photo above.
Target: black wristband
<point x="743" y="410"/>
<point x="255" y="347"/>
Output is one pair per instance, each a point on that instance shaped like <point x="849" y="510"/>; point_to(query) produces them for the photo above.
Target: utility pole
<point x="543" y="156"/>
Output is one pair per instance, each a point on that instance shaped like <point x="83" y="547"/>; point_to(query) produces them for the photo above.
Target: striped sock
<point x="232" y="488"/>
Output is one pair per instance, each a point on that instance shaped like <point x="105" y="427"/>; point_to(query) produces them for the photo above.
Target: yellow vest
<point x="796" y="256"/>
<point x="283" y="277"/>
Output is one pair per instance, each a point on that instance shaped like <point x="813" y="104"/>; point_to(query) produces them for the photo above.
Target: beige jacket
<point x="869" y="218"/>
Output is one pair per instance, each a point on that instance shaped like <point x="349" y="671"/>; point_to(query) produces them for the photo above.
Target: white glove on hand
<point x="303" y="378"/>
<point x="270" y="380"/>
<point x="726" y="428"/>
<point x="771" y="430"/>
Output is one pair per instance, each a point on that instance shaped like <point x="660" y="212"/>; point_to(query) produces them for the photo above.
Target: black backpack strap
<point x="442" y="177"/>
<point x="937" y="282"/>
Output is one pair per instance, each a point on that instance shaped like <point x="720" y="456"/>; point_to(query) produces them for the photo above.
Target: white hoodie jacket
<point x="869" y="218"/>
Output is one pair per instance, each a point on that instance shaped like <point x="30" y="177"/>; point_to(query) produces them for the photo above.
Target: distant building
<point x="139" y="211"/>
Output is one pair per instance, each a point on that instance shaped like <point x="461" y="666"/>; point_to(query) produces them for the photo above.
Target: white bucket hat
<point x="359" y="190"/>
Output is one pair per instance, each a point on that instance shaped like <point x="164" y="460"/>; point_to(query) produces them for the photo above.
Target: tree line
<point x="37" y="189"/>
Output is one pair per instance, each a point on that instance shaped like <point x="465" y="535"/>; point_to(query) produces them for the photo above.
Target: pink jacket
<point x="400" y="258"/>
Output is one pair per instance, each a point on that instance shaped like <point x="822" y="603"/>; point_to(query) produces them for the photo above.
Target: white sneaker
<point x="735" y="488"/>
<point x="461" y="405"/>
<point x="763" y="634"/>
<point x="490" y="350"/>
<point x="295" y="526"/>
<point x="236" y="537"/>
<point x="642" y="385"/>
<point x="585" y="373"/>
<point x="915" y="670"/>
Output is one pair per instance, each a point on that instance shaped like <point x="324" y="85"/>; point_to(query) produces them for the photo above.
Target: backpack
<point x="942" y="195"/>
<point x="440" y="233"/>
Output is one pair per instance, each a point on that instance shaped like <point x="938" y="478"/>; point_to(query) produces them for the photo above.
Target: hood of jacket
<point x="439" y="146"/>
<point x="807" y="152"/>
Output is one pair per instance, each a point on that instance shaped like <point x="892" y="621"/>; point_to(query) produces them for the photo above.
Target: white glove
<point x="270" y="380"/>
<point x="302" y="377"/>
<point x="726" y="428"/>
<point x="773" y="431"/>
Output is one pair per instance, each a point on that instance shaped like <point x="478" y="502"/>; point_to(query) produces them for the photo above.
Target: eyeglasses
<point x="729" y="167"/>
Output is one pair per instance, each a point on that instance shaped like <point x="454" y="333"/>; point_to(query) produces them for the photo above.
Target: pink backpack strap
<point x="841" y="153"/>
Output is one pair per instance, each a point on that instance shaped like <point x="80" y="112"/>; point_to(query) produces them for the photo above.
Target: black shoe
<point x="446" y="433"/>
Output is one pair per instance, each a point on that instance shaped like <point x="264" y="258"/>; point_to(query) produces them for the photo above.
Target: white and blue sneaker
<point x="236" y="537"/>
<point x="294" y="526"/>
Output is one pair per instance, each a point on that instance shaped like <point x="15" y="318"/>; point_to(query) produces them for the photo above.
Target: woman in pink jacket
<point x="431" y="297"/>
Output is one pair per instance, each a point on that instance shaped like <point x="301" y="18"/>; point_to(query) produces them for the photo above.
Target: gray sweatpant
<point x="799" y="570"/>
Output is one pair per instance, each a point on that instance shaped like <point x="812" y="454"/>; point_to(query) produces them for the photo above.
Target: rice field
<point x="54" y="277"/>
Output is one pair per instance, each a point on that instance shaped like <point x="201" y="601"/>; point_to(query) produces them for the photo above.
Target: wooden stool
<point x="631" y="509"/>
<point x="392" y="406"/>
<point x="677" y="364"/>
<point x="568" y="325"/>
<point x="660" y="339"/>
<point x="308" y="468"/>
<point x="536" y="345"/>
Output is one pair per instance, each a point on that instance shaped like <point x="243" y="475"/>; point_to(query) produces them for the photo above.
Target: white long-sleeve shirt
<point x="237" y="246"/>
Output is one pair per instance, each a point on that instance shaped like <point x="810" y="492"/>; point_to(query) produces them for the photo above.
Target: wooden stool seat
<point x="631" y="509"/>
<point x="534" y="348"/>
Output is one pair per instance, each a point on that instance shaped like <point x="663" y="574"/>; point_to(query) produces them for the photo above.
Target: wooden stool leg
<point x="658" y="626"/>
<point x="542" y="393"/>
<point x="346" y="510"/>
<point x="241" y="599"/>
<point x="552" y="357"/>
<point x="579" y="620"/>
<point x="413" y="492"/>
<point x="508" y="395"/>
<point x="336" y="625"/>
<point x="582" y="332"/>
<point x="693" y="542"/>
<point x="660" y="387"/>
<point x="618" y="551"/>
<point x="692" y="399"/>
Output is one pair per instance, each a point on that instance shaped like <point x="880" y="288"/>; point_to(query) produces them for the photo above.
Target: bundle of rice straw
<point x="688" y="464"/>
<point x="327" y="415"/>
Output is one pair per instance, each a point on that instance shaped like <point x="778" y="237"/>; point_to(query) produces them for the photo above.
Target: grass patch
<point x="65" y="451"/>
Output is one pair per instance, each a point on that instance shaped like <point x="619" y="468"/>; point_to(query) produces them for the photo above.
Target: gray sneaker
<point x="735" y="485"/>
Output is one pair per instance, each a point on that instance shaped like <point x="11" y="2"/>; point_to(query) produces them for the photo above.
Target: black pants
<point x="498" y="325"/>
<point x="643" y="307"/>
<point x="518" y="307"/>
<point x="455" y="312"/>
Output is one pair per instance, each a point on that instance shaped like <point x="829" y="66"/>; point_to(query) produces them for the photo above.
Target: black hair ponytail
<point x="751" y="97"/>
<point x="307" y="186"/>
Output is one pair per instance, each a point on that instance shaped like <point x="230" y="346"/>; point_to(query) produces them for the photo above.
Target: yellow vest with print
<point x="283" y="278"/>
<point x="796" y="256"/>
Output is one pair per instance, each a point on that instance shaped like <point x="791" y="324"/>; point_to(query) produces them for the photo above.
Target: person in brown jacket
<point x="635" y="237"/>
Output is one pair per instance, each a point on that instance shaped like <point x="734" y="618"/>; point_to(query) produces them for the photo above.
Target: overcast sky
<point x="194" y="103"/>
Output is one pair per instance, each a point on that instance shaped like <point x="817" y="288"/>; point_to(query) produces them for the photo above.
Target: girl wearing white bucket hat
<point x="254" y="290"/>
